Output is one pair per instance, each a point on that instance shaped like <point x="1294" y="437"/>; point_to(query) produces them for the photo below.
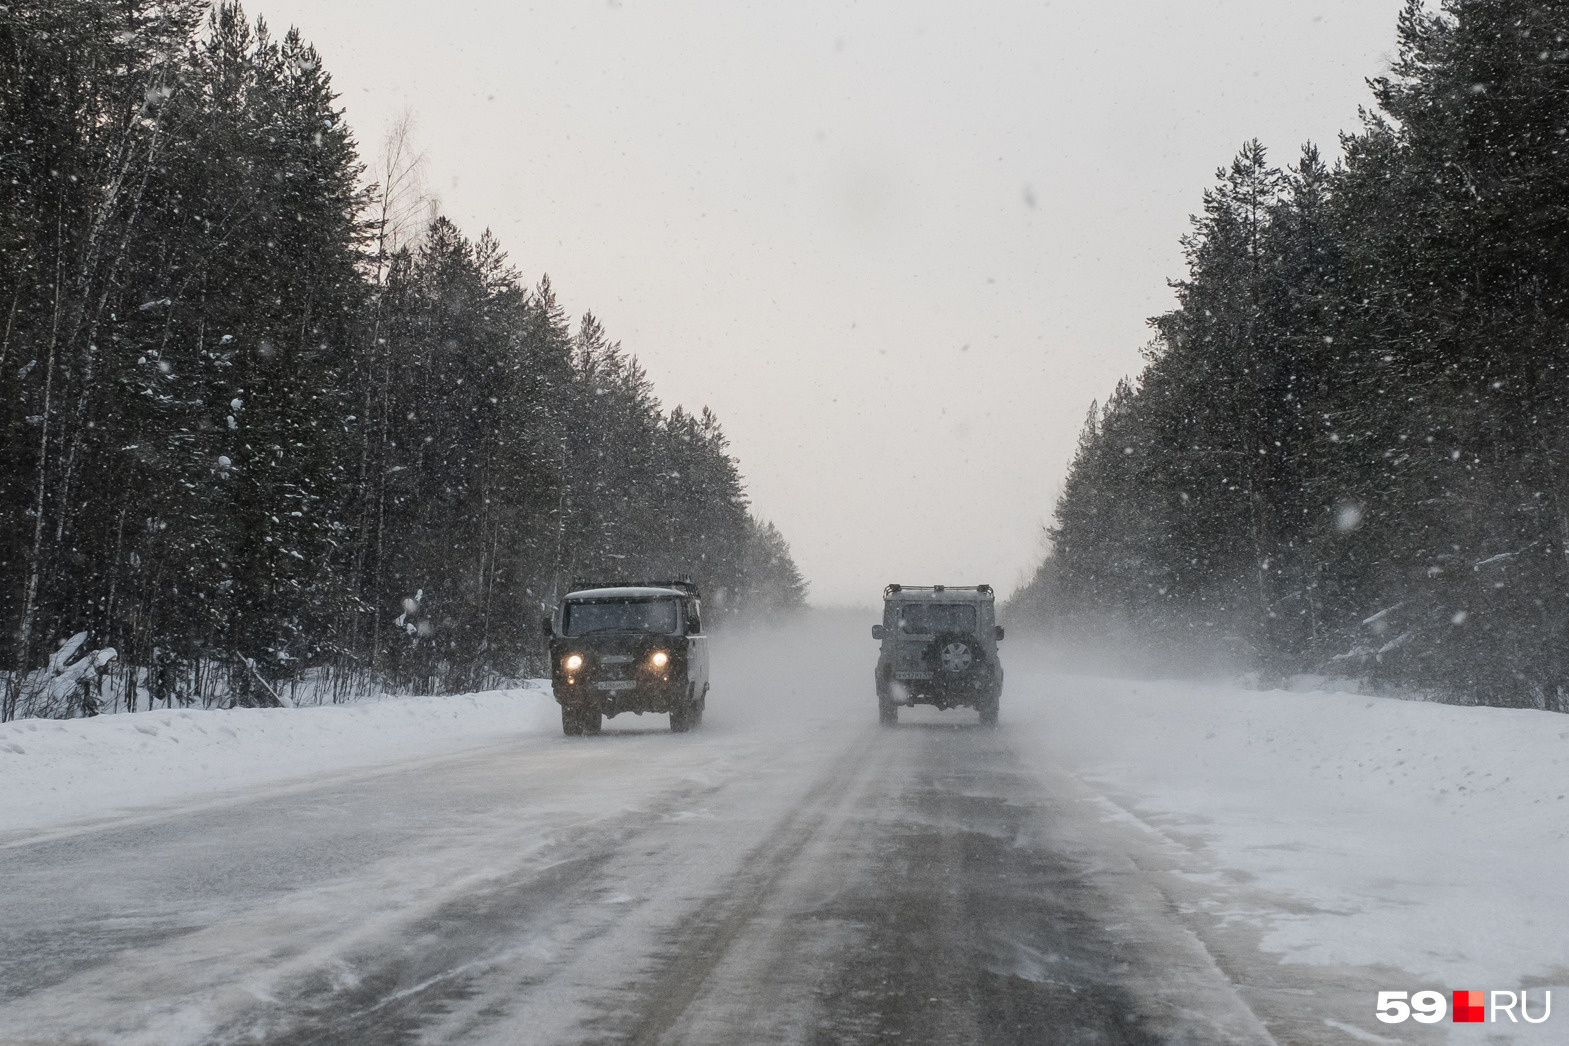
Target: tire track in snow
<point x="705" y="939"/>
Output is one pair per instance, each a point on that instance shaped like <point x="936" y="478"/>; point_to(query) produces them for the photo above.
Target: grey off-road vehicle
<point x="939" y="647"/>
<point x="628" y="647"/>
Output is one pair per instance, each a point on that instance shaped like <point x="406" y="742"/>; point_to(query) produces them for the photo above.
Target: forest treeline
<point x="1349" y="449"/>
<point x="264" y="420"/>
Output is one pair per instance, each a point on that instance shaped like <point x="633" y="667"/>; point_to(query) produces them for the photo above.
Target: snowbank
<point x="1351" y="830"/>
<point x="56" y="771"/>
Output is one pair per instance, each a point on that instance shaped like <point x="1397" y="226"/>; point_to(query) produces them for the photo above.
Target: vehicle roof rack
<point x="893" y="589"/>
<point x="689" y="587"/>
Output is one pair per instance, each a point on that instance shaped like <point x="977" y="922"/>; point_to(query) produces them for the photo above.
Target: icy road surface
<point x="1109" y="867"/>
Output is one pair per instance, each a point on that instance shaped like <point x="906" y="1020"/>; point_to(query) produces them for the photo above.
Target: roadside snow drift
<point x="1347" y="830"/>
<point x="57" y="771"/>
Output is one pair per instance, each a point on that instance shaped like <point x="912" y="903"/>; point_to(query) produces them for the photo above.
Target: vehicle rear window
<point x="621" y="615"/>
<point x="928" y="618"/>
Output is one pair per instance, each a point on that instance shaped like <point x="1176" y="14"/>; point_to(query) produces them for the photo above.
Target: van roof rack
<point x="895" y="588"/>
<point x="689" y="587"/>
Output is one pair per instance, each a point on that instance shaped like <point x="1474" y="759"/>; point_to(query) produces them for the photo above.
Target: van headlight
<point x="573" y="662"/>
<point x="660" y="659"/>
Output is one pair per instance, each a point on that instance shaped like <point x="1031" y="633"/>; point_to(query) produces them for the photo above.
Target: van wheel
<point x="989" y="713"/>
<point x="684" y="714"/>
<point x="578" y="722"/>
<point x="888" y="713"/>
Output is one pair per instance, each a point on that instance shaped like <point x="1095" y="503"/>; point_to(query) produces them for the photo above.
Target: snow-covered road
<point x="1121" y="862"/>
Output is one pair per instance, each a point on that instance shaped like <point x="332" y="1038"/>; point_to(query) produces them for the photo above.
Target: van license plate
<point x="617" y="684"/>
<point x="912" y="675"/>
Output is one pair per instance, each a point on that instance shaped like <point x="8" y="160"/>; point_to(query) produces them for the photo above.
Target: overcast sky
<point x="897" y="246"/>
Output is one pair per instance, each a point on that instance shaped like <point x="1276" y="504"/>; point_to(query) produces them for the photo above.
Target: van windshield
<point x="928" y="618"/>
<point x="660" y="616"/>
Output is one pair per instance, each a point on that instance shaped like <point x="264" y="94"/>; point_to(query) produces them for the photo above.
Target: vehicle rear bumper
<point x="976" y="689"/>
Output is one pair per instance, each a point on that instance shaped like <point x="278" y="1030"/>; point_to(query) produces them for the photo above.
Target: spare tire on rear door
<point x="954" y="654"/>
